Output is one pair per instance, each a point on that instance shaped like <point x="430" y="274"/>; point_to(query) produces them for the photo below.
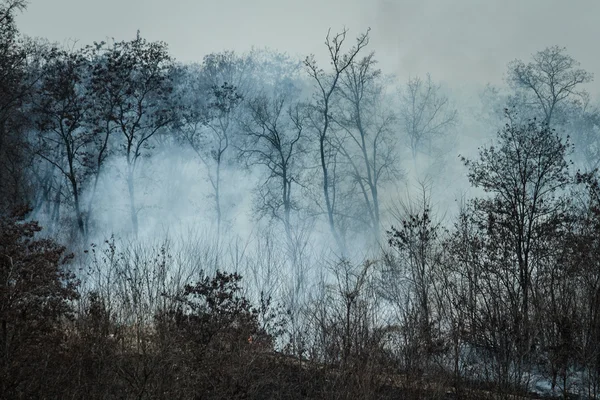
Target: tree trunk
<point x="132" y="207"/>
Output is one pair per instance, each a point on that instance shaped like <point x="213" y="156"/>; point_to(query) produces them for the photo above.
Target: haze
<point x="456" y="41"/>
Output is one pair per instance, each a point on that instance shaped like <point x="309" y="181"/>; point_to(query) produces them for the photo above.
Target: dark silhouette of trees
<point x="36" y="294"/>
<point x="412" y="285"/>
<point x="15" y="84"/>
<point x="63" y="106"/>
<point x="525" y="175"/>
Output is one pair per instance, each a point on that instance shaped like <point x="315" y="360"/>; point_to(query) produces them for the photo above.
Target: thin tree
<point x="273" y="139"/>
<point x="326" y="84"/>
<point x="207" y="123"/>
<point x="367" y="140"/>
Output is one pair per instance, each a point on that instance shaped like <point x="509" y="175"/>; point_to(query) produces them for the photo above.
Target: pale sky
<point x="455" y="40"/>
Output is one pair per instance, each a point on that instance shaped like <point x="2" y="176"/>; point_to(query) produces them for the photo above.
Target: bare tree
<point x="344" y="328"/>
<point x="211" y="95"/>
<point x="326" y="84"/>
<point x="367" y="140"/>
<point x="207" y="126"/>
<point x="273" y="139"/>
<point x="552" y="77"/>
<point x="425" y="113"/>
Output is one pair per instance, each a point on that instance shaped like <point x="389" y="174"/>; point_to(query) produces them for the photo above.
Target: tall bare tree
<point x="326" y="85"/>
<point x="367" y="139"/>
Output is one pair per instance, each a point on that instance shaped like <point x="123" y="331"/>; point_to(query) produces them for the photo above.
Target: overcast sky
<point x="455" y="40"/>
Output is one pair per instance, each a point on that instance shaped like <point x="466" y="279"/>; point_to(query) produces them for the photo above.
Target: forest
<point x="257" y="226"/>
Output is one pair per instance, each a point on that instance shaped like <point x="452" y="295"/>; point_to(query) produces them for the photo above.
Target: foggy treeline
<point x="260" y="226"/>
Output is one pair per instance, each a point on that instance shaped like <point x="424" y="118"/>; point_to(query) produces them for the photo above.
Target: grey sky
<point x="454" y="40"/>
